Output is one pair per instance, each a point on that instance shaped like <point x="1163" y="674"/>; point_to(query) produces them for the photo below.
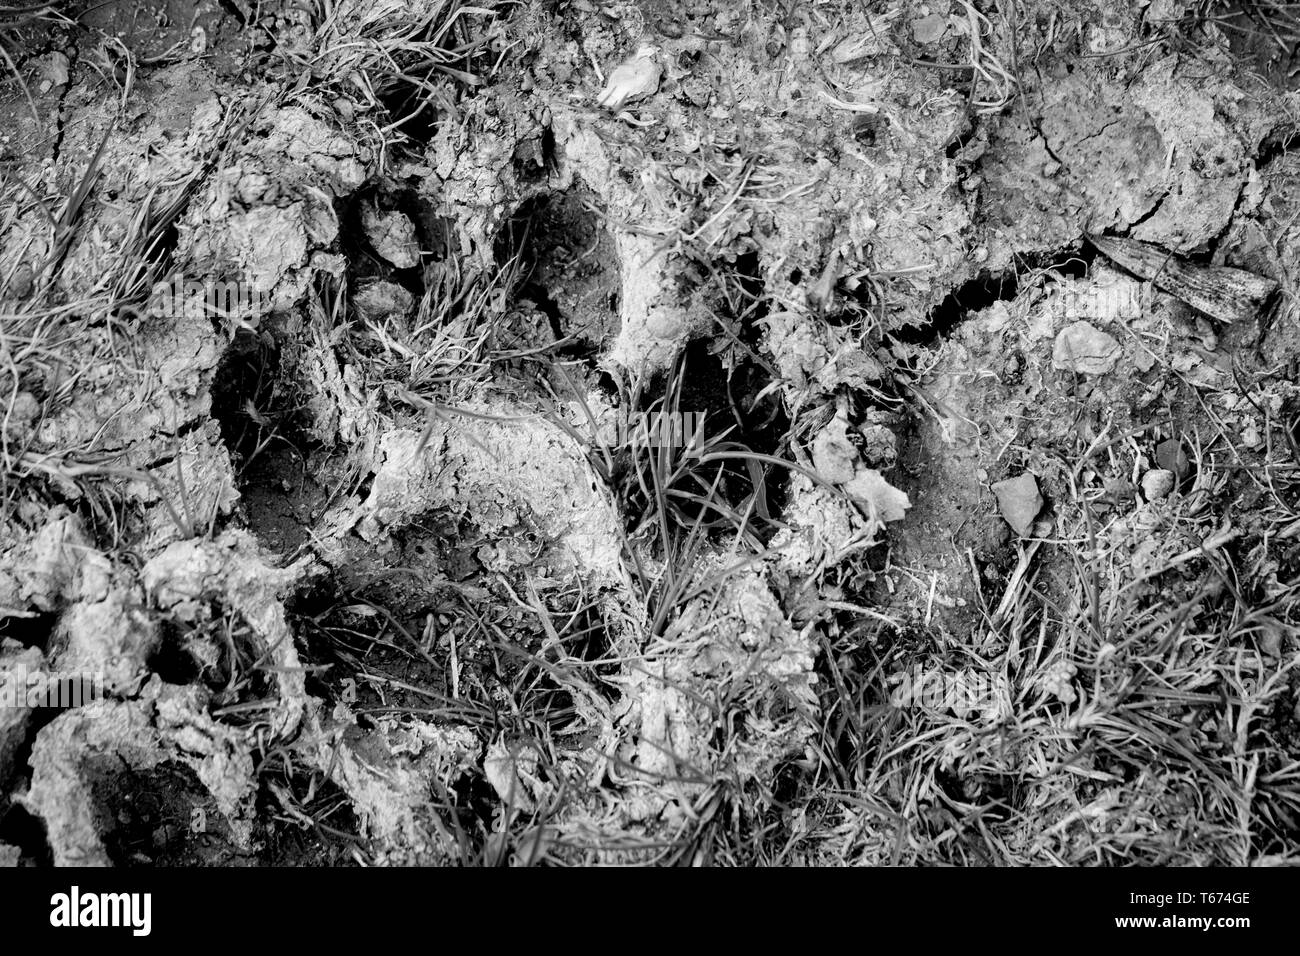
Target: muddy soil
<point x="366" y="536"/>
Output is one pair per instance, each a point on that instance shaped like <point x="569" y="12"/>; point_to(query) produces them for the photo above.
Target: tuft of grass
<point x="398" y="61"/>
<point x="1104" y="714"/>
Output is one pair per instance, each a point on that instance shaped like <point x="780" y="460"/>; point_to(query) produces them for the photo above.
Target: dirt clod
<point x="1019" y="501"/>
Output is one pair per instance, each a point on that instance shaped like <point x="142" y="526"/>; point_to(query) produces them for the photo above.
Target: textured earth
<point x="327" y="332"/>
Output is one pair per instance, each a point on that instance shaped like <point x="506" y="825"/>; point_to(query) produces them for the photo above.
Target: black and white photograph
<point x="650" y="434"/>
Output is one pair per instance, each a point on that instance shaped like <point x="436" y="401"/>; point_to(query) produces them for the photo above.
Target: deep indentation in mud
<point x="309" y="819"/>
<point x="365" y="262"/>
<point x="435" y="234"/>
<point x="995" y="794"/>
<point x="987" y="288"/>
<point x="160" y="816"/>
<point x="534" y="157"/>
<point x="382" y="655"/>
<point x="566" y="265"/>
<point x="173" y="661"/>
<point x="383" y="648"/>
<point x="726" y="395"/>
<point x="369" y="652"/>
<point x="416" y="114"/>
<point x="978" y="293"/>
<point x="30" y="630"/>
<point x="264" y="427"/>
<point x="224" y="655"/>
<point x="20" y="828"/>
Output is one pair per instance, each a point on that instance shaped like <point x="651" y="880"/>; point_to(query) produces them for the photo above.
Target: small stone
<point x="1271" y="640"/>
<point x="1019" y="500"/>
<point x="632" y="80"/>
<point x="1082" y="347"/>
<point x="23" y="279"/>
<point x="23" y="413"/>
<point x="833" y="454"/>
<point x="1157" y="483"/>
<point x="393" y="236"/>
<point x="1171" y="457"/>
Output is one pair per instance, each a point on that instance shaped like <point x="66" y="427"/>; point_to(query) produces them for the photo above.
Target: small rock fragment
<point x="930" y="29"/>
<point x="393" y="236"/>
<point x="112" y="640"/>
<point x="887" y="502"/>
<point x="53" y="71"/>
<point x="632" y="80"/>
<point x="1019" y="500"/>
<point x="880" y="446"/>
<point x="1271" y="640"/>
<point x="833" y="453"/>
<point x="1157" y="483"/>
<point x="1084" y="348"/>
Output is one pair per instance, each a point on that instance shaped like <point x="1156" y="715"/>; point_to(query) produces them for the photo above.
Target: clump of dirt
<point x="568" y="267"/>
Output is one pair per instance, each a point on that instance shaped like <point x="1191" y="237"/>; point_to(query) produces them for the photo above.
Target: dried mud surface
<point x="363" y="585"/>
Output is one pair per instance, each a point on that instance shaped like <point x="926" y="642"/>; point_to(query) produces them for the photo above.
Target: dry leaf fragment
<point x="1222" y="293"/>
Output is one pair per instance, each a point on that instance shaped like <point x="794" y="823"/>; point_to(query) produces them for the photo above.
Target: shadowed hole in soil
<point x="1276" y="144"/>
<point x="364" y="261"/>
<point x="264" y="427"/>
<point x="306" y="819"/>
<point x="225" y="655"/>
<point x="368" y="655"/>
<point x="20" y="828"/>
<point x="994" y="794"/>
<point x="444" y="662"/>
<point x="567" y="268"/>
<point x="724" y="396"/>
<point x="418" y="113"/>
<point x="159" y="816"/>
<point x="386" y="649"/>
<point x="173" y="661"/>
<point x="29" y="631"/>
<point x="164" y="816"/>
<point x="735" y="411"/>
<point x="534" y="157"/>
<point x="987" y="288"/>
